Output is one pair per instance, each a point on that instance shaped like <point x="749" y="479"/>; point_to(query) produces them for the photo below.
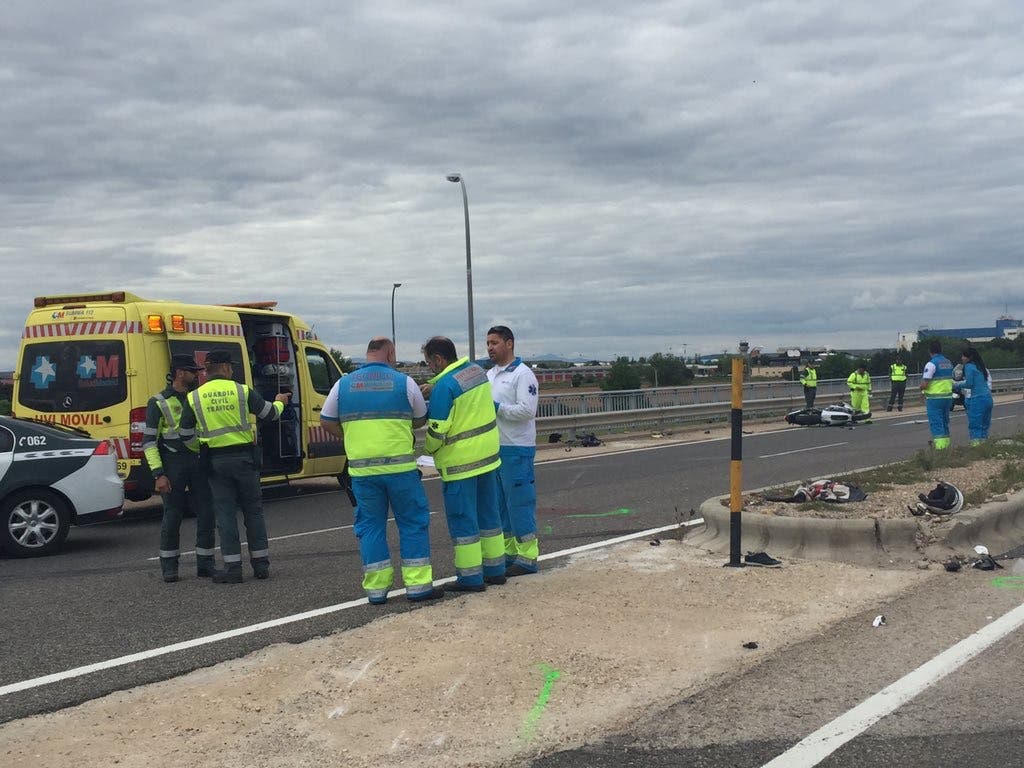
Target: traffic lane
<point x="596" y="485"/>
<point x="972" y="714"/>
<point x="756" y="716"/>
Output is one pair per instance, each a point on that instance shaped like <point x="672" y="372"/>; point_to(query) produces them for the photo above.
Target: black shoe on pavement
<point x="169" y="569"/>
<point x="456" y="586"/>
<point x="261" y="569"/>
<point x="497" y="581"/>
<point x="517" y="570"/>
<point x="888" y="408"/>
<point x="232" y="574"/>
<point x="762" y="559"/>
<point x="205" y="570"/>
<point x="433" y="594"/>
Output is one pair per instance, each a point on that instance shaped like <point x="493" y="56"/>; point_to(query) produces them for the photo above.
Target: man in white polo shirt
<point x="515" y="403"/>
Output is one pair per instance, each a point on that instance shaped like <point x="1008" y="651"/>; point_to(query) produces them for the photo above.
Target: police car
<point x="52" y="478"/>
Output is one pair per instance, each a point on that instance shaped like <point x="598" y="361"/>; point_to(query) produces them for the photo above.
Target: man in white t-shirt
<point x="515" y="403"/>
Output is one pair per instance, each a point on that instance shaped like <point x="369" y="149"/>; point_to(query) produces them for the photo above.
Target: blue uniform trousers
<point x="979" y="416"/>
<point x="517" y="500"/>
<point x="403" y="491"/>
<point x="471" y="506"/>
<point x="938" y="409"/>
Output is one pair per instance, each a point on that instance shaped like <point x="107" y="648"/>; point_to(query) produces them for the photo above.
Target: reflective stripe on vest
<point x="940" y="386"/>
<point x="469" y="444"/>
<point x="374" y="407"/>
<point x="898" y="372"/>
<point x="214" y="428"/>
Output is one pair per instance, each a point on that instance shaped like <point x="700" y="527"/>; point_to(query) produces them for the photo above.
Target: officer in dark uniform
<point x="219" y="413"/>
<point x="172" y="453"/>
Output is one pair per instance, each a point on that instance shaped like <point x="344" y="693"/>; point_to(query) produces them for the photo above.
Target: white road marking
<point x="799" y="450"/>
<point x="152" y="653"/>
<point x="827" y="739"/>
<point x="288" y="536"/>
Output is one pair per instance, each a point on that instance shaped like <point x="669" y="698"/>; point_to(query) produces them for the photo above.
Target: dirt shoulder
<point x="544" y="662"/>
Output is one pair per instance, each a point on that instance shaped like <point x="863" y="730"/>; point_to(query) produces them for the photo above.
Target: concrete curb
<point x="997" y="525"/>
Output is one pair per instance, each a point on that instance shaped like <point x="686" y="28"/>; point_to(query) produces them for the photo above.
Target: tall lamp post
<point x="456" y="178"/>
<point x="394" y="288"/>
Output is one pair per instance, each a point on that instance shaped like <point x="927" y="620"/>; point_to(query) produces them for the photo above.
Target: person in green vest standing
<point x="220" y="412"/>
<point x="898" y="378"/>
<point x="859" y="383"/>
<point x="462" y="436"/>
<point x="937" y="388"/>
<point x="809" y="379"/>
<point x="172" y="454"/>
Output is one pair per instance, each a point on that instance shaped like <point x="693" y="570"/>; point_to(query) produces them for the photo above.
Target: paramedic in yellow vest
<point x="462" y="436"/>
<point x="898" y="379"/>
<point x="937" y="387"/>
<point x="178" y="475"/>
<point x="809" y="379"/>
<point x="374" y="410"/>
<point x="220" y="411"/>
<point x="859" y="383"/>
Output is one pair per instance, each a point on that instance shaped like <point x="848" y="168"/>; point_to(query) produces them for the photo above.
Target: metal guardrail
<point x="648" y="410"/>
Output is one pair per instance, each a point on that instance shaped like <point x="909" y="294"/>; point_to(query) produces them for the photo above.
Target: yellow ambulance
<point x="92" y="362"/>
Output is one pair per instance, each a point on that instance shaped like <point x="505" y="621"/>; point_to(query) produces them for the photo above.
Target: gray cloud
<point x="639" y="176"/>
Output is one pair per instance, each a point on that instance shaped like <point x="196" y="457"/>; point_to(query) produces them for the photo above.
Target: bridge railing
<point x="602" y="412"/>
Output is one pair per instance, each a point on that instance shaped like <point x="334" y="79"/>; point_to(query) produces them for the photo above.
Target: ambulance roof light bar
<point x="116" y="297"/>
<point x="252" y="305"/>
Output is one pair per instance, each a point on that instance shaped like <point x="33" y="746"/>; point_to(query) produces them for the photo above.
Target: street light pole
<point x="394" y="288"/>
<point x="456" y="178"/>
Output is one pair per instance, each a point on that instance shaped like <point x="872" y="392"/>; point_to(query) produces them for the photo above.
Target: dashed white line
<point x="827" y="739"/>
<point x="799" y="450"/>
<point x="197" y="642"/>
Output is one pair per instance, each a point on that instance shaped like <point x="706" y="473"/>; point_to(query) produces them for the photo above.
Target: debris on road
<point x="879" y="621"/>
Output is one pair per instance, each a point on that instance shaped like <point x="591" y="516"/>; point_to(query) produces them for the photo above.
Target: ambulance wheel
<point x="35" y="522"/>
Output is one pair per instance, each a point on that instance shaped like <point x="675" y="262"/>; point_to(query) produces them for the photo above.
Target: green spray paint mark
<point x="530" y="723"/>
<point x="613" y="513"/>
<point x="548" y="529"/>
<point x="1008" y="582"/>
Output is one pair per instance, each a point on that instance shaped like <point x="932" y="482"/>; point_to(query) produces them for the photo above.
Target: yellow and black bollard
<point x="736" y="467"/>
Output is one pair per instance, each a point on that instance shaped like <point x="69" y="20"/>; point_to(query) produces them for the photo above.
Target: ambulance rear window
<point x="64" y="375"/>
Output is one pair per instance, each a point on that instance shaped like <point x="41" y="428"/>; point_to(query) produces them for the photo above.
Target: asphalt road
<point x="103" y="599"/>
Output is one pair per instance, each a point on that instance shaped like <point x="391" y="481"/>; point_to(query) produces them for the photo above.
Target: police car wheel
<point x="35" y="522"/>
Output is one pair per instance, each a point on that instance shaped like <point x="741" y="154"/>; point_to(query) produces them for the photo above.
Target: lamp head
<point x="454" y="177"/>
<point x="397" y="285"/>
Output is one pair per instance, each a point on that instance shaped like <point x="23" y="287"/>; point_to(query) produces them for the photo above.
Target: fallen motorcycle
<point x="836" y="415"/>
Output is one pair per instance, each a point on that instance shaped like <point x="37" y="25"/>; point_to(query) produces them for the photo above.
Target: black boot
<point x="169" y="569"/>
<point x="261" y="568"/>
<point x="205" y="567"/>
<point x="232" y="574"/>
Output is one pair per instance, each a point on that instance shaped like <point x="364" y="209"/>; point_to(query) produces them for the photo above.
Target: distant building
<point x="1005" y="328"/>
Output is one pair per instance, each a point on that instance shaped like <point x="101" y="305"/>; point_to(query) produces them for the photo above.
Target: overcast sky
<point x="641" y="176"/>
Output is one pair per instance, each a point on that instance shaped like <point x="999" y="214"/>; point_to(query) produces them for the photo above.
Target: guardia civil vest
<point x="464" y="443"/>
<point x="897" y="372"/>
<point x="222" y="413"/>
<point x="941" y="384"/>
<point x="374" y="411"/>
<point x="810" y="378"/>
